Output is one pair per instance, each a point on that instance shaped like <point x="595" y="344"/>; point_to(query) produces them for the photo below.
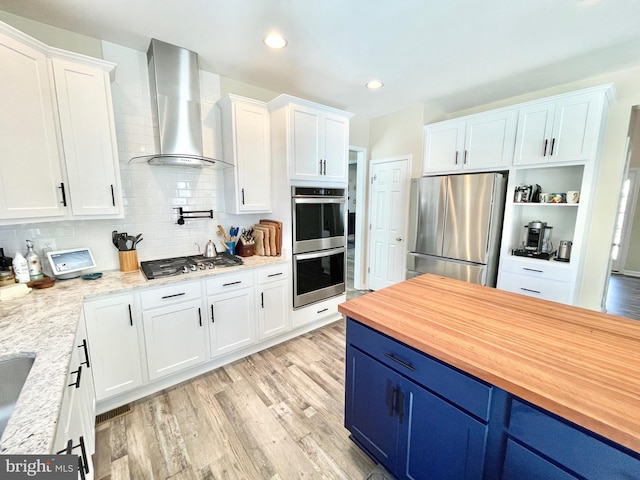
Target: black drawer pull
<point x="231" y="283"/>
<point x="64" y="196"/>
<point x="113" y="197"/>
<point x="130" y="316"/>
<point x="408" y="366"/>
<point x="199" y="316"/>
<point x="391" y="400"/>
<point x="553" y="144"/>
<point x="532" y="270"/>
<point x="274" y="274"/>
<point x="529" y="290"/>
<point x="323" y="310"/>
<point x="77" y="382"/>
<point x="213" y="319"/>
<point x="262" y="299"/>
<point x="86" y="353"/>
<point x="174" y="295"/>
<point x="400" y="405"/>
<point x="546" y="141"/>
<point x="67" y="450"/>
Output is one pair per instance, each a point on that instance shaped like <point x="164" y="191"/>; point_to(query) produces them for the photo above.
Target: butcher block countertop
<point x="579" y="364"/>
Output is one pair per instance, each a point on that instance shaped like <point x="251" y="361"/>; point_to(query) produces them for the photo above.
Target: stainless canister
<point x="564" y="250"/>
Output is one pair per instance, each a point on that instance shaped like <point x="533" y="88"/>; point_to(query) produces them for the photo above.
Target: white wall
<point x="150" y="193"/>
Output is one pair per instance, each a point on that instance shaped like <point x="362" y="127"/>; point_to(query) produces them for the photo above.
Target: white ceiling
<point x="449" y="54"/>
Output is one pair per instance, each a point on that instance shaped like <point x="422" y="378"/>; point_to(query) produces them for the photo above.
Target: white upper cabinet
<point x="479" y="141"/>
<point x="83" y="93"/>
<point x="30" y="173"/>
<point x="315" y="139"/>
<point x="246" y="145"/>
<point x="57" y="129"/>
<point x="563" y="130"/>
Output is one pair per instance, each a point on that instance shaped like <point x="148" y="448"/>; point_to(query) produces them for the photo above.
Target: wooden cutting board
<point x="267" y="234"/>
<point x="278" y="234"/>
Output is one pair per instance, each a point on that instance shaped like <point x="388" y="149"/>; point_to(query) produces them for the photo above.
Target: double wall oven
<point x="319" y="243"/>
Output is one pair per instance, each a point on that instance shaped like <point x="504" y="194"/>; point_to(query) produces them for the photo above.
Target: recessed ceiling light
<point x="275" y="40"/>
<point x="374" y="84"/>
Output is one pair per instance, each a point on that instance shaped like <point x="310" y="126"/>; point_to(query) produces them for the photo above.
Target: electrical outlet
<point x="46" y="243"/>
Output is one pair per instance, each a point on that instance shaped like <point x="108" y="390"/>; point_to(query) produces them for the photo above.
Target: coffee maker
<point x="537" y="241"/>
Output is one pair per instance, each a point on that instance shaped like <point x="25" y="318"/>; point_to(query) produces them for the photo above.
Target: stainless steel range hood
<point x="174" y="82"/>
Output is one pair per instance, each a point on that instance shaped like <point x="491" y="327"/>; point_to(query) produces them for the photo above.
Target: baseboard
<point x="630" y="273"/>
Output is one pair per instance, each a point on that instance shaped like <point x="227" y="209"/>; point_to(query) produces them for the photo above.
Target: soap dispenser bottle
<point x="20" y="268"/>
<point x="33" y="262"/>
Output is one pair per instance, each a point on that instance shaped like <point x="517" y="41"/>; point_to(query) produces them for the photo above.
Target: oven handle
<point x="310" y="199"/>
<point x="321" y="253"/>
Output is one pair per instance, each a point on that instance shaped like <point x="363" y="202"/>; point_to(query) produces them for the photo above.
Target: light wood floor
<point x="277" y="414"/>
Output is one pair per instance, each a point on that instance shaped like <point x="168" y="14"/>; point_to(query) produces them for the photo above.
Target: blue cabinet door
<point x="369" y="406"/>
<point x="437" y="440"/>
<point x="521" y="463"/>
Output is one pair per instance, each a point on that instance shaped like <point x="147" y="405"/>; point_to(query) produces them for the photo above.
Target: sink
<point x="13" y="374"/>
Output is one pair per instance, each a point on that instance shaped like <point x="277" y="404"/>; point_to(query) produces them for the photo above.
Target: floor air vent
<point x="103" y="417"/>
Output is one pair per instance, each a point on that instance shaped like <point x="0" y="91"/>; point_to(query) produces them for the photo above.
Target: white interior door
<point x="389" y="207"/>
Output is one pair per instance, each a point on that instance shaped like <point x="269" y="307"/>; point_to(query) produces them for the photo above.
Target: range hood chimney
<point x="174" y="82"/>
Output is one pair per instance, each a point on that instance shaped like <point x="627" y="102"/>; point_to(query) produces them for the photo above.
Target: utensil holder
<point x="128" y="260"/>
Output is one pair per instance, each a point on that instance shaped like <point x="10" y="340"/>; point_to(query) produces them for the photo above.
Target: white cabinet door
<point x="246" y="144"/>
<point x="489" y="140"/>
<point x="304" y="144"/>
<point x="30" y="171"/>
<point x="444" y="146"/>
<point x="232" y="320"/>
<point x="83" y="93"/>
<point x="576" y="125"/>
<point x="335" y="145"/>
<point x="175" y="337"/>
<point x="274" y="301"/>
<point x="115" y="352"/>
<point x="564" y="130"/>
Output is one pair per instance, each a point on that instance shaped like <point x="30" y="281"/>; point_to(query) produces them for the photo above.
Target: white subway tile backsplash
<point x="151" y="195"/>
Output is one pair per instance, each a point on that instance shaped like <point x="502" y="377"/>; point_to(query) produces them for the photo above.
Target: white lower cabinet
<point x="175" y="329"/>
<point x="273" y="301"/>
<point x="232" y="312"/>
<point x="115" y="349"/>
<point x="75" y="434"/>
<point x="316" y="311"/>
<point x="537" y="278"/>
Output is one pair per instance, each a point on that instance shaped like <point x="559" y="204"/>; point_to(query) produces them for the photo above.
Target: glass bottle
<point x="33" y="260"/>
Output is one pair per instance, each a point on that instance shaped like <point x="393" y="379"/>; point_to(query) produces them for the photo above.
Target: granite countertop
<point x="43" y="324"/>
<point x="579" y="364"/>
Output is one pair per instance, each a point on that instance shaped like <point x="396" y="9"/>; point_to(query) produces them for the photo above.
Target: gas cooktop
<point x="167" y="267"/>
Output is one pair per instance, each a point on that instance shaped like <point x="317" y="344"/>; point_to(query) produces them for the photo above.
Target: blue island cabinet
<point x="414" y="431"/>
<point x="423" y="419"/>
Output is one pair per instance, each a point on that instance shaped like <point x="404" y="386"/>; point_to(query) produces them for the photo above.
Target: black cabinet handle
<point x="130" y="316"/>
<point x="465" y="157"/>
<point x="77" y="382"/>
<point x="532" y="270"/>
<point x="262" y="299"/>
<point x="408" y="366"/>
<point x="231" y="283"/>
<point x="553" y="143"/>
<point x="325" y="166"/>
<point x="113" y="197"/>
<point x="529" y="290"/>
<point x="456" y="157"/>
<point x="174" y="295"/>
<point x="320" y="166"/>
<point x="86" y="353"/>
<point x="546" y="142"/>
<point x="213" y="320"/>
<point x="400" y="404"/>
<point x="274" y="274"/>
<point x="242" y="191"/>
<point x="323" y="310"/>
<point x="199" y="316"/>
<point x="64" y="195"/>
<point x="391" y="400"/>
<point x="68" y="449"/>
<point x="84" y="464"/>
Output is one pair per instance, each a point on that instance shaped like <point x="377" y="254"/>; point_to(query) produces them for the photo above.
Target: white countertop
<point x="43" y="324"/>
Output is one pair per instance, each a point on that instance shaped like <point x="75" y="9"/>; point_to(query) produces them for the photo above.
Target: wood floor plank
<point x="175" y="455"/>
<point x="102" y="457"/>
<point x="145" y="457"/>
<point x="118" y="438"/>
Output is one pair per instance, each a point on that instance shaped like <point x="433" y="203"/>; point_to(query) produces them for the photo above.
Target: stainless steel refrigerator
<point x="455" y="226"/>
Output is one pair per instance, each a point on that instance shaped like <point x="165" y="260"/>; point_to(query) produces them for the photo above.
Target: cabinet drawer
<point x="536" y="287"/>
<point x="522" y="464"/>
<point x="277" y="272"/>
<point x="316" y="311"/>
<point x="170" y="294"/>
<point x="537" y="268"/>
<point x="569" y="445"/>
<point x="465" y="391"/>
<point x="226" y="283"/>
